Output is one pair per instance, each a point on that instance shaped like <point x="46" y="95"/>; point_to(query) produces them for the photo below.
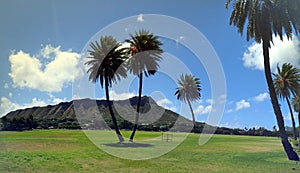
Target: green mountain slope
<point x="94" y="114"/>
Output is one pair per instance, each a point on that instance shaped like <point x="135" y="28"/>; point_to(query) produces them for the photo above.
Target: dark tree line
<point x="18" y="123"/>
<point x="29" y="123"/>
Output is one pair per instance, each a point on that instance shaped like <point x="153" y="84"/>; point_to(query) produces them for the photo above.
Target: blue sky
<point x="42" y="41"/>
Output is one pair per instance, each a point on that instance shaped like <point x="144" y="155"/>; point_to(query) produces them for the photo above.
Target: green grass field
<point x="71" y="151"/>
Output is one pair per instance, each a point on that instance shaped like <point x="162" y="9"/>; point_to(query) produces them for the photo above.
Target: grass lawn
<point x="71" y="151"/>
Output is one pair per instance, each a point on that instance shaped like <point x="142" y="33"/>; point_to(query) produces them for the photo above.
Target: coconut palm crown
<point x="188" y="91"/>
<point x="144" y="55"/>
<point x="287" y="81"/>
<point x="106" y="61"/>
<point x="265" y="18"/>
<point x="106" y="65"/>
<point x="189" y="88"/>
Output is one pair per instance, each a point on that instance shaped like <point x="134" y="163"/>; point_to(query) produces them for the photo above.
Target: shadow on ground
<point x="129" y="145"/>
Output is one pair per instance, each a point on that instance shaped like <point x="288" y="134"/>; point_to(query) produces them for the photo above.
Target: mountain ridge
<point x="92" y="114"/>
<point x="84" y="114"/>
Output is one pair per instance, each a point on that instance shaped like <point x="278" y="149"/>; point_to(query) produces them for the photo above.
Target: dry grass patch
<point x="261" y="147"/>
<point x="36" y="146"/>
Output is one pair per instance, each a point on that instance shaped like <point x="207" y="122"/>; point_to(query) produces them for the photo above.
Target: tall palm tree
<point x="106" y="61"/>
<point x="144" y="55"/>
<point x="188" y="91"/>
<point x="265" y="18"/>
<point x="296" y="106"/>
<point x="286" y="83"/>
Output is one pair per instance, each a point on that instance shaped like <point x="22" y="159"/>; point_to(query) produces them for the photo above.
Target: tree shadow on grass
<point x="129" y="145"/>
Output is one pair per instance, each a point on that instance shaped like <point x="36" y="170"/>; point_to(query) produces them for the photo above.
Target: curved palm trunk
<point x="194" y="122"/>
<point x="292" y="117"/>
<point x="114" y="120"/>
<point x="292" y="155"/>
<point x="191" y="108"/>
<point x="299" y="120"/>
<point x="137" y="108"/>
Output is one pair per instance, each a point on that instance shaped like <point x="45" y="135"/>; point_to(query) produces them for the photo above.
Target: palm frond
<point x="145" y="53"/>
<point x="265" y="18"/>
<point x="287" y="81"/>
<point x="189" y="88"/>
<point x="106" y="61"/>
<point x="296" y="103"/>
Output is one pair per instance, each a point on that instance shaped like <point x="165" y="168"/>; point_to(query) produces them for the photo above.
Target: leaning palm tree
<point x="144" y="55"/>
<point x="263" y="19"/>
<point x="296" y="106"/>
<point x="106" y="61"/>
<point x="188" y="91"/>
<point x="286" y="83"/>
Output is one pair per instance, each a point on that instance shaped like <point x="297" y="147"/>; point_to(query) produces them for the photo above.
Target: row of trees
<point x="287" y="86"/>
<point x="109" y="62"/>
<point x="29" y="123"/>
<point x="18" y="124"/>
<point x="264" y="19"/>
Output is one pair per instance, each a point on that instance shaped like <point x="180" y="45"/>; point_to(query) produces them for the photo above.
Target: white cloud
<point x="35" y="102"/>
<point x="27" y="71"/>
<point x="281" y="52"/>
<point x="10" y="94"/>
<point x="48" y="51"/>
<point x="124" y="45"/>
<point x="203" y="109"/>
<point x="229" y="111"/>
<point x="120" y="96"/>
<point x="6" y="86"/>
<point x="167" y="104"/>
<point x="242" y="104"/>
<point x="222" y="98"/>
<point x="210" y="101"/>
<point x="7" y="105"/>
<point x="140" y="18"/>
<point x="180" y="40"/>
<point x="55" y="100"/>
<point x="287" y="117"/>
<point x="163" y="102"/>
<point x="261" y="97"/>
<point x="235" y="124"/>
<point x="76" y="97"/>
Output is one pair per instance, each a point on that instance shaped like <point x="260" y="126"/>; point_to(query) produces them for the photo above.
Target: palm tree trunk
<point x="292" y="155"/>
<point x="292" y="117"/>
<point x="137" y="108"/>
<point x="191" y="108"/>
<point x="120" y="137"/>
<point x="299" y="122"/>
<point x="299" y="119"/>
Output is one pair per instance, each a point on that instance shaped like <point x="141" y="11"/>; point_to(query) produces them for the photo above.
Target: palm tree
<point x="296" y="106"/>
<point x="144" y="55"/>
<point x="106" y="61"/>
<point x="286" y="82"/>
<point x="265" y="18"/>
<point x="188" y="91"/>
